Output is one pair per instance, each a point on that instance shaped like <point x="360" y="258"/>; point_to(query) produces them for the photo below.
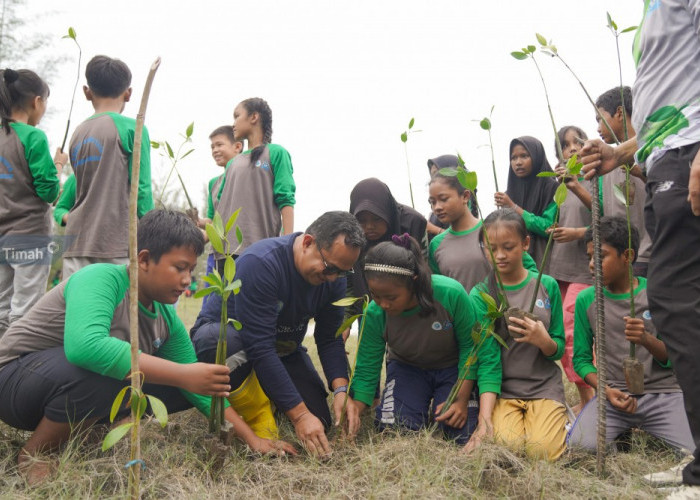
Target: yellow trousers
<point x="252" y="404"/>
<point x="537" y="425"/>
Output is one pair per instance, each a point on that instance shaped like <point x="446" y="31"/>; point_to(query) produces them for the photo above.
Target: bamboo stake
<point x="135" y="469"/>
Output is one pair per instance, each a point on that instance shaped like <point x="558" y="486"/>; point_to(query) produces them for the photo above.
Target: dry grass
<point x="387" y="465"/>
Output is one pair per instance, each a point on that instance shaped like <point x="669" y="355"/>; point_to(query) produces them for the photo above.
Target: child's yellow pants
<point x="252" y="404"/>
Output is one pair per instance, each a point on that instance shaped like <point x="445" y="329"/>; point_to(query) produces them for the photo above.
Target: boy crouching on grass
<point x="660" y="410"/>
<point x="65" y="360"/>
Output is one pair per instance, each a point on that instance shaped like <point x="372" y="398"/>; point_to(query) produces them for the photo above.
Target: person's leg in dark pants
<point x="406" y="399"/>
<point x="674" y="279"/>
<point x="309" y="384"/>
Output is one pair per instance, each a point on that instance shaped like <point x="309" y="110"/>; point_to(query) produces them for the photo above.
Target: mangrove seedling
<point x="71" y="34"/>
<point x="345" y="302"/>
<point x="167" y="151"/>
<point x="404" y="139"/>
<point x="485" y="124"/>
<point x="223" y="286"/>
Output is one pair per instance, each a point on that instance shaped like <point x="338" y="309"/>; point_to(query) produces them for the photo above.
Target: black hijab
<point x="532" y="193"/>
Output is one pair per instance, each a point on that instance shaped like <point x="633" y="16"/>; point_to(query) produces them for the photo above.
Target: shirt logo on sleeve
<point x="437" y="326"/>
<point x="646" y="314"/>
<point x="263" y="165"/>
<point x="8" y="166"/>
<point x="543" y="304"/>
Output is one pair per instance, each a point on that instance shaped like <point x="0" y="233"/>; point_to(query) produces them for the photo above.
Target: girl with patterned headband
<point x="426" y="322"/>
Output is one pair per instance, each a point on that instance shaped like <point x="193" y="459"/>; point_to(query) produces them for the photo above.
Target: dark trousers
<point x="674" y="279"/>
<point x="298" y="364"/>
<point x="45" y="384"/>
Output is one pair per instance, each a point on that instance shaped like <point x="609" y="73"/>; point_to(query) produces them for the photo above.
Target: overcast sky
<point x="344" y="78"/>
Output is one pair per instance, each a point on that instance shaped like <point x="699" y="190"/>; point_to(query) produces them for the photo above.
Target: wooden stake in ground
<point x="134" y="463"/>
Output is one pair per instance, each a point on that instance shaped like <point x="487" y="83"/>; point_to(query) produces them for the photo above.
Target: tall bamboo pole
<point x="135" y="469"/>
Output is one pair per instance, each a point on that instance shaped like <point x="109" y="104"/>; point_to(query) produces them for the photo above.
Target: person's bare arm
<point x="287" y="219"/>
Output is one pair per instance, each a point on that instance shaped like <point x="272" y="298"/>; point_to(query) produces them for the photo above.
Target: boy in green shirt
<point x="65" y="361"/>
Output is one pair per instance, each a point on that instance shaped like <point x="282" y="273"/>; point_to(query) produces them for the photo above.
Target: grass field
<point x="385" y="465"/>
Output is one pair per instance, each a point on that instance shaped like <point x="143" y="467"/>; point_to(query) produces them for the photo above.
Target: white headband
<point x="383" y="268"/>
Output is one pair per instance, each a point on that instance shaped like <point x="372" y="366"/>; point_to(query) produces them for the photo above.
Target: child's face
<point x="446" y="203"/>
<point x="392" y="296"/>
<point x="242" y="123"/>
<point x="571" y="144"/>
<point x="520" y="161"/>
<point x="373" y="226"/>
<point x="507" y="247"/>
<point x="614" y="123"/>
<point x="222" y="150"/>
<point x="164" y="281"/>
<point x="615" y="266"/>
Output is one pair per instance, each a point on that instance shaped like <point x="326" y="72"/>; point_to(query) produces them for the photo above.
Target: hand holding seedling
<point x="456" y="416"/>
<point x="599" y="158"/>
<point x="353" y="410"/>
<point x="694" y="186"/>
<point x="339" y="402"/>
<point x="207" y="379"/>
<point x="60" y="159"/>
<point x="502" y="200"/>
<point x="567" y="234"/>
<point x="533" y="332"/>
<point x="621" y="400"/>
<point x="309" y="430"/>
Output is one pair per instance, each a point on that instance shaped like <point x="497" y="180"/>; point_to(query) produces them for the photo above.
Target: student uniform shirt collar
<point x="466" y="231"/>
<point x="621" y="296"/>
<point x="522" y="284"/>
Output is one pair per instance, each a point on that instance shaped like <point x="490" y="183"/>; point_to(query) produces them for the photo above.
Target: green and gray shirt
<point x="260" y="191"/>
<point x="527" y="373"/>
<point x="658" y="376"/>
<point x="101" y="151"/>
<point x="88" y="315"/>
<point x="66" y="200"/>
<point x="28" y="181"/>
<point x="666" y="91"/>
<point x="538" y="224"/>
<point x="433" y="342"/>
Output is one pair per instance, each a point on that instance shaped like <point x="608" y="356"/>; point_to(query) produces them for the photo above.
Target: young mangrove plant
<point x="485" y="124"/>
<point x="345" y="302"/>
<point x="71" y="34"/>
<point x="404" y="139"/>
<point x="223" y="286"/>
<point x="174" y="157"/>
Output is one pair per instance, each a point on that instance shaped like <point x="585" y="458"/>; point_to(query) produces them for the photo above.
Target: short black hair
<point x="331" y="224"/>
<point x="159" y="231"/>
<point x="226" y="130"/>
<point x="613" y="232"/>
<point x="610" y="100"/>
<point x="107" y="77"/>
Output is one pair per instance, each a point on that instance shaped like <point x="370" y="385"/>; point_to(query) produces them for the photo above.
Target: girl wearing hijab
<point x="380" y="216"/>
<point x="530" y="196"/>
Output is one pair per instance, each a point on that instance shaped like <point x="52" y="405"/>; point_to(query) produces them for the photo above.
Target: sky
<point x="343" y="80"/>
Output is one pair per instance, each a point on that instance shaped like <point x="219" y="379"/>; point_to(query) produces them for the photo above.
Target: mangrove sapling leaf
<point x="218" y="224"/>
<point x="404" y="139"/>
<point x="410" y="124"/>
<point x="346" y="324"/>
<point x="239" y="235"/>
<point x="115" y="435"/>
<point x="541" y="39"/>
<point x="160" y="412"/>
<point x="547" y="174"/>
<point x="560" y="195"/>
<point x="627" y="30"/>
<point x="202" y="292"/>
<point x="231" y="221"/>
<point x="117" y="403"/>
<point x="169" y="149"/>
<point x="236" y="324"/>
<point x="229" y="269"/>
<point x="347" y="301"/>
<point x="490" y="302"/>
<point x="189" y="130"/>
<point x="619" y="194"/>
<point x="155" y="144"/>
<point x="213" y="279"/>
<point x="485" y="124"/>
<point x="214" y="238"/>
<point x="72" y="35"/>
<point x="175" y="158"/>
<point x="143" y="404"/>
<point x="520" y="56"/>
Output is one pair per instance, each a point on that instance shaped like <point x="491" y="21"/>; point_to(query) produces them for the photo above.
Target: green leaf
<point x="170" y="150"/>
<point x="236" y="286"/>
<point x="202" y="292"/>
<point x="619" y="194"/>
<point x="231" y="221"/>
<point x="470" y="181"/>
<point x="449" y="171"/>
<point x="497" y="337"/>
<point x="155" y="144"/>
<point x="213" y="279"/>
<point x="460" y="160"/>
<point x="476" y="333"/>
<point x="159" y="410"/>
<point x="117" y="404"/>
<point x="214" y="238"/>
<point x="239" y="235"/>
<point x="485" y="124"/>
<point x="627" y="30"/>
<point x="519" y="55"/>
<point x="115" y="435"/>
<point x="190" y="129"/>
<point x="610" y="21"/>
<point x="410" y="124"/>
<point x="346" y="301"/>
<point x="541" y="39"/>
<point x="143" y="404"/>
<point x="531" y="48"/>
<point x="404" y="137"/>
<point x="229" y="269"/>
<point x="236" y="324"/>
<point x="560" y="194"/>
<point x="547" y="174"/>
<point x="218" y="224"/>
<point x="346" y="324"/>
<point x="490" y="302"/>
<point x="186" y="154"/>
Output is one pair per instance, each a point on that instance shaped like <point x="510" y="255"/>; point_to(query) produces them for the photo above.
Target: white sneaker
<point x="670" y="477"/>
<point x="685" y="492"/>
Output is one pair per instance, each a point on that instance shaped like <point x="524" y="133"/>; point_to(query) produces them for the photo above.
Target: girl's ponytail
<point x="402" y="260"/>
<point x="17" y="90"/>
<point x="260" y="106"/>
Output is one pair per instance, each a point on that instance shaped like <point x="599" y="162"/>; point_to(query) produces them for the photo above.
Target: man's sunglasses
<point x="330" y="270"/>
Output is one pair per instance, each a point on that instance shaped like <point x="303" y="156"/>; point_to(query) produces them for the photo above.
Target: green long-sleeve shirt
<point x="66" y="200"/>
<point x="437" y="341"/>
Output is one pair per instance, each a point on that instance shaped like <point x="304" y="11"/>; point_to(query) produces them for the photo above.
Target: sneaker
<point x="670" y="477"/>
<point x="685" y="492"/>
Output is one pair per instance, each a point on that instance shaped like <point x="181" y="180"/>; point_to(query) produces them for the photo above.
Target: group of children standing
<point x="433" y="302"/>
